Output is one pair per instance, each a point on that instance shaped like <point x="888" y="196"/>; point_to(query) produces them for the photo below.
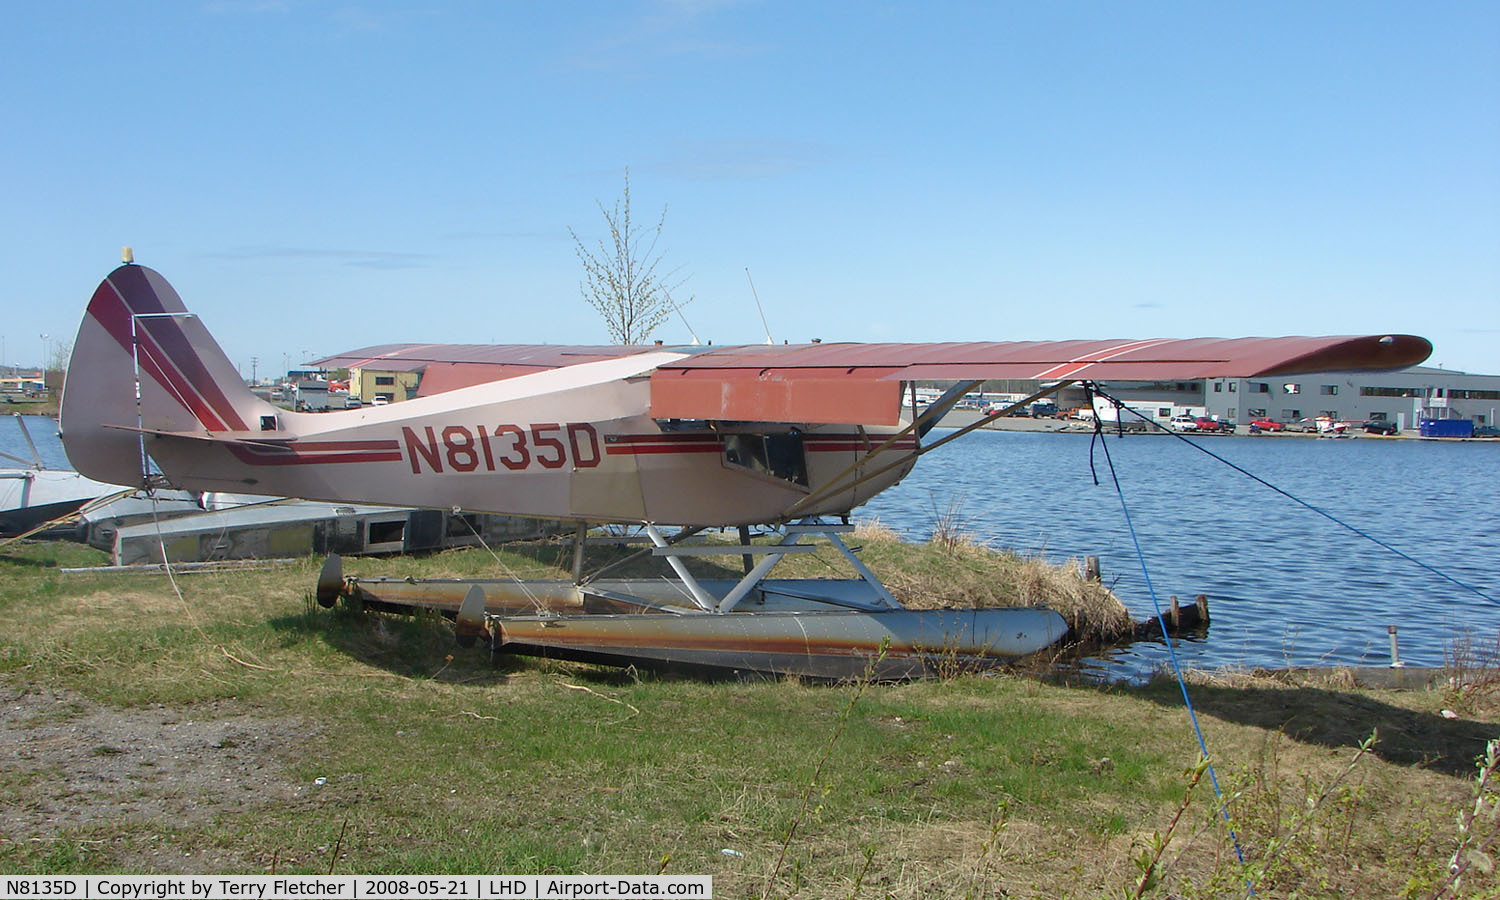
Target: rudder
<point x="187" y="384"/>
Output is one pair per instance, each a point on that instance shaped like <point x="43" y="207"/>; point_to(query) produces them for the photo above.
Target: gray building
<point x="1403" y="397"/>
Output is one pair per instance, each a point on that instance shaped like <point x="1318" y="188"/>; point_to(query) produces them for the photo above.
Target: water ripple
<point x="1289" y="587"/>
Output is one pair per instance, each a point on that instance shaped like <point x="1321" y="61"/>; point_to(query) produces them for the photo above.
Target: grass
<point x="29" y="406"/>
<point x="435" y="760"/>
<point x="955" y="569"/>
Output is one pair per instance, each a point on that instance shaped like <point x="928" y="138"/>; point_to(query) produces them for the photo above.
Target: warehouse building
<point x="1405" y="397"/>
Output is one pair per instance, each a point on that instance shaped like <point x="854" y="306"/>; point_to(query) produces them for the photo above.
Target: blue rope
<point x="1300" y="502"/>
<point x="1156" y="603"/>
<point x="1187" y="701"/>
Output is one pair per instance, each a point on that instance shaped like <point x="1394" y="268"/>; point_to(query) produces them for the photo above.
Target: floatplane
<point x="669" y="440"/>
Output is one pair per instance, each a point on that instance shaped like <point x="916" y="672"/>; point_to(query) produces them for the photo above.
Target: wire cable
<point x="1303" y="503"/>
<point x="1187" y="701"/>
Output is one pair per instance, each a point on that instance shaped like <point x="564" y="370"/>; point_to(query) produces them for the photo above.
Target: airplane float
<point x="673" y="440"/>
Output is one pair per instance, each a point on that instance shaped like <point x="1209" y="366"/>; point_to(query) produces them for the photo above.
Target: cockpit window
<point x="778" y="455"/>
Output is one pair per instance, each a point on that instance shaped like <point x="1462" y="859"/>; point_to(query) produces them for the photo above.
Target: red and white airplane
<point x="652" y="436"/>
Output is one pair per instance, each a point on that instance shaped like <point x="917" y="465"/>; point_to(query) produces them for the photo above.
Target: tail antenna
<point x="758" y="306"/>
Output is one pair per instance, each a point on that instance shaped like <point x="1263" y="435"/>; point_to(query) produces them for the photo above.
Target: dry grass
<point x="1473" y="675"/>
<point x="955" y="569"/>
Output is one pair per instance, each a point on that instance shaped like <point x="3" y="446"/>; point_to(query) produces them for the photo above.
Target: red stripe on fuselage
<point x="639" y="444"/>
<point x="663" y="438"/>
<point x="641" y="449"/>
<point x="256" y="457"/>
<point x="322" y="446"/>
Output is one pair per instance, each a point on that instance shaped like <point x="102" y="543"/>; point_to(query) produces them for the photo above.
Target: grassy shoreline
<point x="28" y="407"/>
<point x="150" y="733"/>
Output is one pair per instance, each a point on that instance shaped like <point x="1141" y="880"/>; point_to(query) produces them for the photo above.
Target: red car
<point x="1267" y="425"/>
<point x="1212" y="426"/>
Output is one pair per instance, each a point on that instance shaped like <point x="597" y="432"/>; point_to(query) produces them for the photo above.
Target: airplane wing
<point x="861" y="383"/>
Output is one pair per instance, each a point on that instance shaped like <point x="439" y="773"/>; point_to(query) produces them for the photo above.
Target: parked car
<point x="1211" y="425"/>
<point x="1376" y="426"/>
<point x="1486" y="431"/>
<point x="1183" y="423"/>
<point x="1267" y="425"/>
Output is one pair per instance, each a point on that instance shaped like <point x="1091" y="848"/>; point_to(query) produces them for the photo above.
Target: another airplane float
<point x="673" y="440"/>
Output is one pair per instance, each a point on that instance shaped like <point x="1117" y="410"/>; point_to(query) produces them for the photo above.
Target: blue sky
<point x="314" y="177"/>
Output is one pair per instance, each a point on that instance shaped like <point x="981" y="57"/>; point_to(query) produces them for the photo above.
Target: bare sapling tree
<point x="621" y="278"/>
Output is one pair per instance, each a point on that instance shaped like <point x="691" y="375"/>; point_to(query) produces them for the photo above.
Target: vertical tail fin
<point x="135" y="322"/>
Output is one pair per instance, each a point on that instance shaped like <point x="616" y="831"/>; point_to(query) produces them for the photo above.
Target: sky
<point x="316" y="177"/>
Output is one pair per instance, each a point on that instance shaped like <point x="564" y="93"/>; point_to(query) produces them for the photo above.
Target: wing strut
<point x="932" y="413"/>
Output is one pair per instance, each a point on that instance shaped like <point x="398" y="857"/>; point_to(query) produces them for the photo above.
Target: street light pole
<point x="43" y="367"/>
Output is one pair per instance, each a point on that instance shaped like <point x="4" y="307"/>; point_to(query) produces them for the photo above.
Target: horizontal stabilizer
<point x="239" y="438"/>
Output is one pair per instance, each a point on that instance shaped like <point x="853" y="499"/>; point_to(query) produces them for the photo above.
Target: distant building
<point x="399" y="372"/>
<point x="1404" y="397"/>
<point x="16" y="383"/>
<point x="385" y="379"/>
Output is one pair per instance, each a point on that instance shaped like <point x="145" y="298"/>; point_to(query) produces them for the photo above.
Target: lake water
<point x="43" y="431"/>
<point x="1287" y="586"/>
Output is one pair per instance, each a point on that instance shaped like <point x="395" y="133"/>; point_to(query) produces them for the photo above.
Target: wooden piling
<point x="1091" y="570"/>
<point x="1177" y="617"/>
<point x="746" y="559"/>
<point x="580" y="537"/>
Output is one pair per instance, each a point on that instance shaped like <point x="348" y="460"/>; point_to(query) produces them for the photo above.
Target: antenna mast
<point x="678" y="309"/>
<point x="758" y="306"/>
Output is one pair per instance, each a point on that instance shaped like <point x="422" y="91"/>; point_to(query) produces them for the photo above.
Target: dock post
<point x="580" y="537"/>
<point x="746" y="559"/>
<point x="1091" y="569"/>
<point x="1176" y="614"/>
<point x="1203" y="609"/>
<point x="1396" y="662"/>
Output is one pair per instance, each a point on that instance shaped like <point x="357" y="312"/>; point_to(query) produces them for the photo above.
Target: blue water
<point x="43" y="433"/>
<point x="1287" y="586"/>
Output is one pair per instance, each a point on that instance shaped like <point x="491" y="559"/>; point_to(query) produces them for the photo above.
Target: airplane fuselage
<point x="724" y="436"/>
<point x="573" y="443"/>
